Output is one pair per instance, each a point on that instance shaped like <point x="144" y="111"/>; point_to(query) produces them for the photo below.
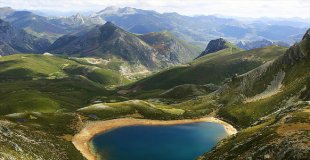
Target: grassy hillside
<point x="28" y="66"/>
<point x="249" y="104"/>
<point x="38" y="97"/>
<point x="212" y="68"/>
<point x="46" y="83"/>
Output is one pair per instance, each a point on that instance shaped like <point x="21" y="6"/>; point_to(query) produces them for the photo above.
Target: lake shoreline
<point x="82" y="139"/>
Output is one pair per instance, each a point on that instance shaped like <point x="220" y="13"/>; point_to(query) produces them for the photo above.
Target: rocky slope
<point x="13" y="40"/>
<point x="109" y="41"/>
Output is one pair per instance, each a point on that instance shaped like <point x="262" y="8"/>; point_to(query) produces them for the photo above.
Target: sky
<point x="233" y="8"/>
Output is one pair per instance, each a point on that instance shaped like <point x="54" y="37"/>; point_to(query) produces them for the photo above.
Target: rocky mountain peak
<point x="78" y="18"/>
<point x="214" y="46"/>
<point x="109" y="28"/>
<point x="109" y="24"/>
<point x="110" y="9"/>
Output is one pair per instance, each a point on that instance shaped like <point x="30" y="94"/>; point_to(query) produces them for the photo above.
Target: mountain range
<point x="208" y="28"/>
<point x="49" y="28"/>
<point x="146" y="21"/>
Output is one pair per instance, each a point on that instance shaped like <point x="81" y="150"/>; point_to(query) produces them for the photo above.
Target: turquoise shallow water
<point x="176" y="142"/>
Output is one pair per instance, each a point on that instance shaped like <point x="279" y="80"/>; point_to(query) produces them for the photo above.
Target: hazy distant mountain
<point x="78" y="20"/>
<point x="108" y="40"/>
<point x="197" y="29"/>
<point x="135" y="20"/>
<point x="279" y="32"/>
<point x="112" y="10"/>
<point x="48" y="27"/>
<point x="194" y="29"/>
<point x="200" y="29"/>
<point x="34" y="24"/>
<point x="5" y="11"/>
<point x="13" y="40"/>
<point x="293" y="22"/>
<point x="248" y="45"/>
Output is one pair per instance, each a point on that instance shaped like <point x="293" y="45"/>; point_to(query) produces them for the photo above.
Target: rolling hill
<point x="46" y="83"/>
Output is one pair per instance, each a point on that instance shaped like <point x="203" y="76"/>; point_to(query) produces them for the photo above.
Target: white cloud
<point x="241" y="8"/>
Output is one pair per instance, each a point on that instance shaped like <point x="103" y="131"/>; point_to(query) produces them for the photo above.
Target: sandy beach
<point x="82" y="139"/>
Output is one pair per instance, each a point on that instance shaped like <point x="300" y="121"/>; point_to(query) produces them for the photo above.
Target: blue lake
<point x="175" y="142"/>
